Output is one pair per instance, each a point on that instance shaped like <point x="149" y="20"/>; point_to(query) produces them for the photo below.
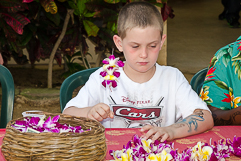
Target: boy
<point x="157" y="98"/>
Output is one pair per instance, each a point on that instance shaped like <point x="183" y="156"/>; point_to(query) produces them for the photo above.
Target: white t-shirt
<point x="163" y="100"/>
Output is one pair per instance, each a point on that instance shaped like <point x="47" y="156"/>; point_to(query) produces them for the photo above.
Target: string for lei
<point x="110" y="73"/>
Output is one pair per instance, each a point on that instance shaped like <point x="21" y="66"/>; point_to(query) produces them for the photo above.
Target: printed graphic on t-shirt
<point x="136" y="117"/>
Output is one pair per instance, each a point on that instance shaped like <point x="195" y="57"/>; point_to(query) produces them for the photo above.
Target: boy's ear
<point x="118" y="42"/>
<point x="164" y="36"/>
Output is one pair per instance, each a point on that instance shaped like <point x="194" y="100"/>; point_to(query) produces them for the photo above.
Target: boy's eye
<point x="135" y="46"/>
<point x="153" y="46"/>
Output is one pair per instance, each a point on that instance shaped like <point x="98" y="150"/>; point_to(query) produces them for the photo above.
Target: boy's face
<point x="141" y="47"/>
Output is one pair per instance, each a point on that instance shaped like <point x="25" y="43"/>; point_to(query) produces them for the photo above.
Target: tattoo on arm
<point x="199" y="112"/>
<point x="192" y="119"/>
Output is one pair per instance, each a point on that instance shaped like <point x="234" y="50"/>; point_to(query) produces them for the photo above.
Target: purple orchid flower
<point x="112" y="61"/>
<point x="237" y="146"/>
<point x="110" y="73"/>
<point x="38" y="125"/>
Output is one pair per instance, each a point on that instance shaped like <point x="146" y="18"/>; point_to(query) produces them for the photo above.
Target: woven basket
<point x="86" y="146"/>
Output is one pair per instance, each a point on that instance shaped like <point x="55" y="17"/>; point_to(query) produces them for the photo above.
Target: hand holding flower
<point x="99" y="112"/>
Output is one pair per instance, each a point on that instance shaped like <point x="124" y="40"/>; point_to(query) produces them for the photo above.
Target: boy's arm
<point x="98" y="112"/>
<point x="75" y="111"/>
<point x="226" y="117"/>
<point x="198" y="122"/>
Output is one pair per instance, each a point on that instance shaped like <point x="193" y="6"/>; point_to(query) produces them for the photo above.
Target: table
<point x="116" y="138"/>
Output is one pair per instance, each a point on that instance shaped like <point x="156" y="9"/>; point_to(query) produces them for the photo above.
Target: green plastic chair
<point x="7" y="84"/>
<point x="71" y="83"/>
<point x="198" y="79"/>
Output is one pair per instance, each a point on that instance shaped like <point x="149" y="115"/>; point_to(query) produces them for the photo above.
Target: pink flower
<point x="112" y="61"/>
<point x="237" y="146"/>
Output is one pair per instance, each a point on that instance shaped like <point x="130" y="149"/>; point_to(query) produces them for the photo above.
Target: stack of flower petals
<point x="37" y="125"/>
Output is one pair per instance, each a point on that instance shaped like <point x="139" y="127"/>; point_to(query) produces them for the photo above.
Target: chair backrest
<point x="71" y="83"/>
<point x="198" y="79"/>
<point x="7" y="84"/>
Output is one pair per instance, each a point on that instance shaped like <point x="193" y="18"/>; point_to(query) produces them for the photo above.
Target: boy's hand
<point x="158" y="133"/>
<point x="100" y="112"/>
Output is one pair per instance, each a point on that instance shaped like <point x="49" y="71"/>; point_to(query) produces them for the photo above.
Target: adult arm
<point x="198" y="122"/>
<point x="226" y="117"/>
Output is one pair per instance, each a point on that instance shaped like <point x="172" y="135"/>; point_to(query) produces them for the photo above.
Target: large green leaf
<point x="112" y="26"/>
<point x="213" y="61"/>
<point x="89" y="14"/>
<point x="221" y="84"/>
<point x="221" y="53"/>
<point x="237" y="68"/>
<point x="230" y="51"/>
<point x="91" y="28"/>
<point x="81" y="6"/>
<point x="209" y="101"/>
<point x="237" y="57"/>
<point x="55" y="18"/>
<point x="230" y="90"/>
<point x="26" y="37"/>
<point x="74" y="6"/>
<point x="226" y="59"/>
<point x="205" y="88"/>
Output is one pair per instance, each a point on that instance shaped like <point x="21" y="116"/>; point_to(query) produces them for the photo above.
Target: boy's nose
<point x="144" y="53"/>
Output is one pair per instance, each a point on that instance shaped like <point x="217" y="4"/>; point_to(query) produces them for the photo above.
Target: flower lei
<point x="110" y="73"/>
<point x="145" y="150"/>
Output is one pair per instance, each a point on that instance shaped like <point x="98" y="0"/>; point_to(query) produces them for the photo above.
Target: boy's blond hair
<point x="138" y="14"/>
